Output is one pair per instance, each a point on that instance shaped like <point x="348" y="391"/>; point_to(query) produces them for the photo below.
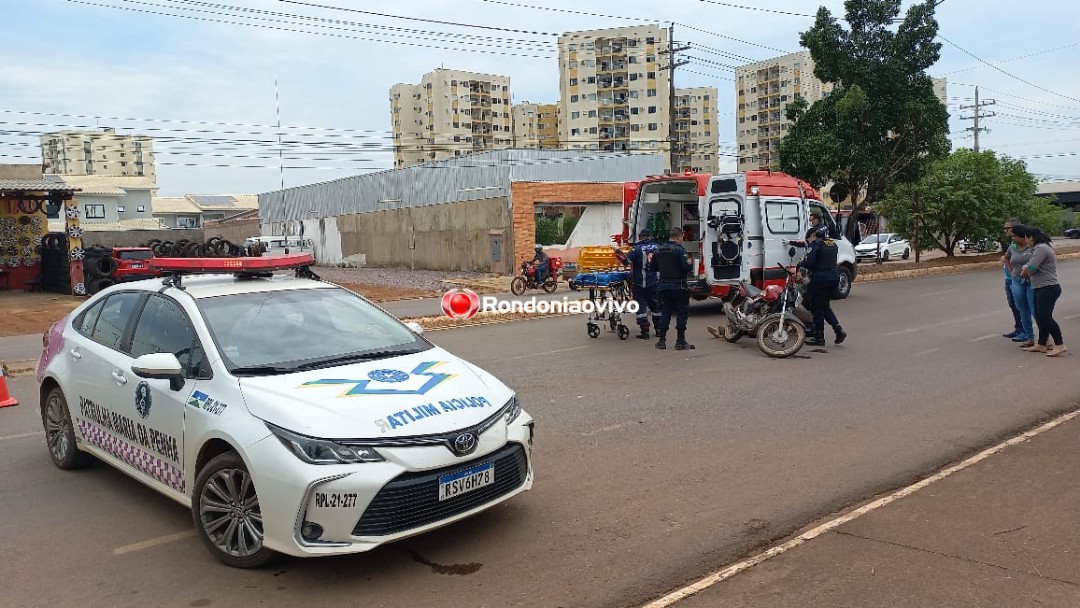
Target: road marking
<point x="981" y="338"/>
<point x="153" y="542"/>
<point x="927" y="352"/>
<point x="912" y="330"/>
<point x="549" y="352"/>
<point x="21" y="435"/>
<point x="938" y="293"/>
<point x="738" y="567"/>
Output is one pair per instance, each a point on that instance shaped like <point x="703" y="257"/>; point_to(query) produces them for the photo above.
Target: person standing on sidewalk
<point x="673" y="264"/>
<point x="643" y="281"/>
<point x="1042" y="270"/>
<point x="1023" y="297"/>
<point x="1018" y="327"/>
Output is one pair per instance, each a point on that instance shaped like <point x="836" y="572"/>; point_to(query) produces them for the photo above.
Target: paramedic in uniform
<point x="644" y="281"/>
<point x="820" y="261"/>
<point x="673" y="264"/>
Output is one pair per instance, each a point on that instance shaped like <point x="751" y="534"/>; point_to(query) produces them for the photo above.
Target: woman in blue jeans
<point x="1023" y="297"/>
<point x="1042" y="270"/>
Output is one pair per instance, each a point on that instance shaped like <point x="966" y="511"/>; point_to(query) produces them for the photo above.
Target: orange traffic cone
<point x="6" y="400"/>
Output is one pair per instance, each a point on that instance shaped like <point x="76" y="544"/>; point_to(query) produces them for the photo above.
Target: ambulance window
<point x="782" y="217"/>
<point x="724" y="185"/>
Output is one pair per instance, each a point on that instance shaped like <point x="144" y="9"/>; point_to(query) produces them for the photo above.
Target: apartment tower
<point x="697" y="134"/>
<point x="613" y="96"/>
<point x="536" y="125"/>
<point x="101" y="152"/>
<point x="450" y="113"/>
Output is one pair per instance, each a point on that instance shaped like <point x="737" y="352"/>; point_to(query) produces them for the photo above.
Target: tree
<point x="881" y="123"/>
<point x="967" y="195"/>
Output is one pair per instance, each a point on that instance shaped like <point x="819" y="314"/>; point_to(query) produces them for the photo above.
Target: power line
<point x="437" y="21"/>
<point x="1030" y="84"/>
<point x="975" y="67"/>
<point x="317" y="33"/>
<point x="754" y="8"/>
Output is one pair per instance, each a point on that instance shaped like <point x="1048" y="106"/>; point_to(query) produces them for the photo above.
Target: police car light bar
<point x="231" y="265"/>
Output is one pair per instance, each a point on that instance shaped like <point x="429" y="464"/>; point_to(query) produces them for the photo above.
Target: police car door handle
<point x="75" y="353"/>
<point x="119" y="377"/>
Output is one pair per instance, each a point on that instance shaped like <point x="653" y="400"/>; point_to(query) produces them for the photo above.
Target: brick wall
<point x="525" y="195"/>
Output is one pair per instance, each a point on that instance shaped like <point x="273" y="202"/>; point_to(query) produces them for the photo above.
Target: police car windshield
<point x="273" y="332"/>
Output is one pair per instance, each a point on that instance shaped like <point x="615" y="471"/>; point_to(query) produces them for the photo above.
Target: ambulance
<point x="737" y="227"/>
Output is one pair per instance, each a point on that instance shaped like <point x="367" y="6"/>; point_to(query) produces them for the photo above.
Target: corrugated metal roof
<point x="473" y="177"/>
<point x="109" y="184"/>
<point x="173" y="204"/>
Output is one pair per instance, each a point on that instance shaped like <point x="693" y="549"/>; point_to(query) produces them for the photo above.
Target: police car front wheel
<point x="227" y="515"/>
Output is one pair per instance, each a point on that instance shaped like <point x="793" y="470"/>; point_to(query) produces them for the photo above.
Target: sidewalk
<point x="1004" y="532"/>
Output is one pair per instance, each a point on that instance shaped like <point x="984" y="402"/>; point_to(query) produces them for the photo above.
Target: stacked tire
<point x="55" y="263"/>
<point x="98" y="269"/>
<point x="214" y="247"/>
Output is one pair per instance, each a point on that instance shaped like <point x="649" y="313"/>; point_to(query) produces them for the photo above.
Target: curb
<point x="942" y="270"/>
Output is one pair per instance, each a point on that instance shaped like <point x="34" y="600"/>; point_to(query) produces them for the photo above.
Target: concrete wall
<point x="235" y="231"/>
<point x="453" y="236"/>
<point x="138" y="238"/>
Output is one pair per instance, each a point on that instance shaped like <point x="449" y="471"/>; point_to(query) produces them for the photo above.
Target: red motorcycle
<point x="527" y="278"/>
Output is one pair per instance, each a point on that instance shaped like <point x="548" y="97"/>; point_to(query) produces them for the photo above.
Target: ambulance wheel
<point x="843" y="290"/>
<point x="550" y="285"/>
<point x="517" y="286"/>
<point x="594" y="330"/>
<point x="624" y="332"/>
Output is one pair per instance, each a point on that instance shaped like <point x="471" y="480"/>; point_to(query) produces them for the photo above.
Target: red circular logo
<point x="460" y="303"/>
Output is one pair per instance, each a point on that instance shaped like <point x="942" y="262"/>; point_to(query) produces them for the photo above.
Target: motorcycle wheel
<point x="517" y="286"/>
<point x="550" y="285"/>
<point x="792" y="336"/>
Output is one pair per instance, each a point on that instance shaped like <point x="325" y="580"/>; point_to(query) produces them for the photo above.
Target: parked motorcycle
<point x="777" y="315"/>
<point x="527" y="279"/>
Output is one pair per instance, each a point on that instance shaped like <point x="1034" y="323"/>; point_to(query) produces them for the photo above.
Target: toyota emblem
<point x="464" y="444"/>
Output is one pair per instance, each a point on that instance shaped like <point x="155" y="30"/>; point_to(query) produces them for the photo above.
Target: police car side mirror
<point x="415" y="327"/>
<point x="159" y="366"/>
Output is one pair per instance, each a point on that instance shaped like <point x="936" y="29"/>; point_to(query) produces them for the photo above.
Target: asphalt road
<point x="653" y="467"/>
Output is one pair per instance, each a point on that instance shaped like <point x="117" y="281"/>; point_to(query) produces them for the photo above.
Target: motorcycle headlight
<point x="322" y="451"/>
<point x="513" y="410"/>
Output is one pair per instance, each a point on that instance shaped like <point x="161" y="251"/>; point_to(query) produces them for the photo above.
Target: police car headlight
<point x="513" y="410"/>
<point x="322" y="451"/>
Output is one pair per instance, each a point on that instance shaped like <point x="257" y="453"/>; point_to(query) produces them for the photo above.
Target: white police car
<point x="289" y="414"/>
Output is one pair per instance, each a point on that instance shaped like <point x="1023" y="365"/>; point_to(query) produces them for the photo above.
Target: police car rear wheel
<point x="60" y="433"/>
<point x="227" y="515"/>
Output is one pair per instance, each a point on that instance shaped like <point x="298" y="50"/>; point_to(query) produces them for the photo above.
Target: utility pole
<point x="976" y="116"/>
<point x="673" y="144"/>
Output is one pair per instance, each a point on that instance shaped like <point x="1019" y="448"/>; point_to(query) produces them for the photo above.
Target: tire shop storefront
<point x="30" y="256"/>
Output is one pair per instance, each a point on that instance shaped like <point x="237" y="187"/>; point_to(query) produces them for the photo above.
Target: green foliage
<point x="967" y="195"/>
<point x="547" y="231"/>
<point x="882" y="122"/>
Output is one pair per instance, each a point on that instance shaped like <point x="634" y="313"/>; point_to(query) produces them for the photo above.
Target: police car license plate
<point x="463" y="482"/>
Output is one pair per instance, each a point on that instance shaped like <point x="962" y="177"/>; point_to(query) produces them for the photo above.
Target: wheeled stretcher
<point x="606" y="289"/>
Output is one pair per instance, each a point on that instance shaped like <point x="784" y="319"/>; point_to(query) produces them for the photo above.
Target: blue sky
<point x="184" y="81"/>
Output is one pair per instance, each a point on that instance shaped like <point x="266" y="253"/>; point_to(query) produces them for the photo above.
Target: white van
<point x="280" y="245"/>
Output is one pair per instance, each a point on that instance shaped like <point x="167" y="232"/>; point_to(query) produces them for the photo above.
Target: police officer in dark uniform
<point x="643" y="280"/>
<point x="821" y="262"/>
<point x="673" y="264"/>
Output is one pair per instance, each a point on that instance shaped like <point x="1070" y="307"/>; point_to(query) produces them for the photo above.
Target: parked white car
<point x="887" y="245"/>
<point x="289" y="414"/>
